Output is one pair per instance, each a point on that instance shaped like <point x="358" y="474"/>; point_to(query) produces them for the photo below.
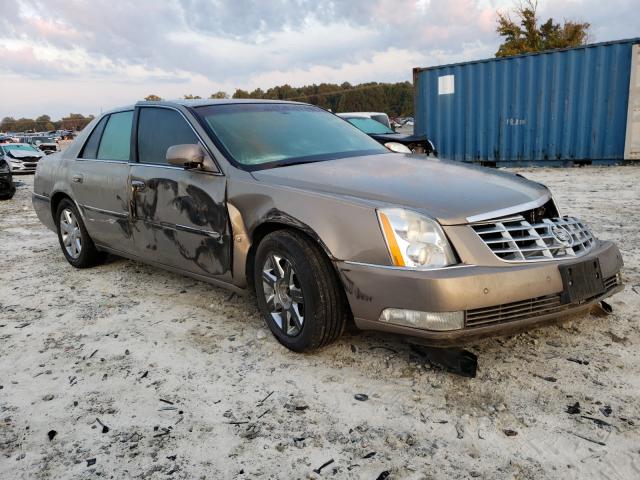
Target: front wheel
<point x="76" y="244"/>
<point x="298" y="292"/>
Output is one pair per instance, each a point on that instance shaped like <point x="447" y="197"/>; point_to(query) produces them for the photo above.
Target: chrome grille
<point x="515" y="239"/>
<point x="530" y="308"/>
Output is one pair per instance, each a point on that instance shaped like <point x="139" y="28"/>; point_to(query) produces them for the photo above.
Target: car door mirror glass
<point x="189" y="155"/>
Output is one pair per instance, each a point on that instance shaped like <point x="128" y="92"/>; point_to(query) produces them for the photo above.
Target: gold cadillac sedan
<point x="321" y="221"/>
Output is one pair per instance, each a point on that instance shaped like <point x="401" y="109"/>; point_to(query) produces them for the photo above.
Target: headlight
<point x="397" y="147"/>
<point x="414" y="240"/>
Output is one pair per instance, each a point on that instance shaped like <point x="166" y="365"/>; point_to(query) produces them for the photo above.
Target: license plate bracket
<point x="581" y="281"/>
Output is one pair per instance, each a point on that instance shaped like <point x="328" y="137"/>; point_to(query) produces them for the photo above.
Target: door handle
<point x="77" y="178"/>
<point x="136" y="186"/>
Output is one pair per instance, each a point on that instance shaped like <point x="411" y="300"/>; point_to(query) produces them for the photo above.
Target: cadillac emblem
<point x="562" y="235"/>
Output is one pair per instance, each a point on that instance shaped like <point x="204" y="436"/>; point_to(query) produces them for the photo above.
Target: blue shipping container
<point x="578" y="105"/>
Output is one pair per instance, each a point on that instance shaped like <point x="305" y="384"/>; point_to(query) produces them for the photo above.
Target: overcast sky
<point x="61" y="56"/>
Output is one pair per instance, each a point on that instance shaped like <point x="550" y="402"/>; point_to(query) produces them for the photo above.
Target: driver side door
<point x="179" y="215"/>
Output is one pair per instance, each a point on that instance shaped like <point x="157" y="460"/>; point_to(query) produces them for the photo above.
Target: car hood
<point x="24" y="154"/>
<point x="451" y="192"/>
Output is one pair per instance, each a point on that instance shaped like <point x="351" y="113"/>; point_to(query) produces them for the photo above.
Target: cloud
<point x="173" y="47"/>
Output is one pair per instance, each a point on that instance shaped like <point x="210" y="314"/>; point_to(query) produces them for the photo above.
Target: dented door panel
<point x="179" y="218"/>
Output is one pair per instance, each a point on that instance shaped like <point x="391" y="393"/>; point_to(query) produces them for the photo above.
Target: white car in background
<point x="21" y="157"/>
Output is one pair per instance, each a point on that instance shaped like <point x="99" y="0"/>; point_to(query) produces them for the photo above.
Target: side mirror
<point x="189" y="155"/>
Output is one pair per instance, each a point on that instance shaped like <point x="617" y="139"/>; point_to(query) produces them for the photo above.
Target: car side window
<point x="90" y="149"/>
<point x="116" y="139"/>
<point x="159" y="129"/>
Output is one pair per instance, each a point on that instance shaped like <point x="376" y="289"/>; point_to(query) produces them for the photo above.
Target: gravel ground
<point x="128" y="371"/>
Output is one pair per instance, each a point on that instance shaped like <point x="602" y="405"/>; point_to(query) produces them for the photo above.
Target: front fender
<point x="346" y="230"/>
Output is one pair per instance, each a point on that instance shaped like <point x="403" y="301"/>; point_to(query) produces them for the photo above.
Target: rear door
<point x="99" y="181"/>
<point x="180" y="215"/>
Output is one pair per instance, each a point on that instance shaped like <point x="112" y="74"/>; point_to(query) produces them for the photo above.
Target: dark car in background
<point x="390" y="139"/>
<point x="46" y="144"/>
<point x="21" y="157"/>
<point x="7" y="188"/>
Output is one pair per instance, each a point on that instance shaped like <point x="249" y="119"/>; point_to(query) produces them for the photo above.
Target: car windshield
<point x="20" y="146"/>
<point x="265" y="135"/>
<point x="369" y="125"/>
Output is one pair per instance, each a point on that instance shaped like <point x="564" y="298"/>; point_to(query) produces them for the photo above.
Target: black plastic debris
<point x="265" y="398"/>
<point x="361" y="397"/>
<point x="383" y="475"/>
<point x="574" y="409"/>
<point x="606" y="307"/>
<point x="166" y="401"/>
<point x="510" y="433"/>
<point x="105" y="429"/>
<point x="91" y="461"/>
<point x="144" y="375"/>
<point x="51" y="434"/>
<point x="606" y="410"/>
<point x="325" y="464"/>
<point x="369" y="455"/>
<point x="453" y="360"/>
<point x="597" y="421"/>
<point x="577" y="360"/>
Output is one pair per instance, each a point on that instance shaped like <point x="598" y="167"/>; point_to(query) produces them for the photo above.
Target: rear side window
<point x="116" y="139"/>
<point x="90" y="149"/>
<point x="159" y="129"/>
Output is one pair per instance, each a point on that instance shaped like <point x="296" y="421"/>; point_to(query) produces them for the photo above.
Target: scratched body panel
<point x="102" y="195"/>
<point x="181" y="219"/>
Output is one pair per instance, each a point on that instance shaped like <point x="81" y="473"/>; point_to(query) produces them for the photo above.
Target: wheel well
<point x="265" y="229"/>
<point x="55" y="201"/>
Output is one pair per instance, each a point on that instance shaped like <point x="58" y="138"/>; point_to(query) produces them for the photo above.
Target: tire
<point x="313" y="287"/>
<point x="81" y="254"/>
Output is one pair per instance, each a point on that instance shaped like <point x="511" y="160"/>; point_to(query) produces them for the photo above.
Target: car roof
<point x="204" y="102"/>
<point x="208" y="101"/>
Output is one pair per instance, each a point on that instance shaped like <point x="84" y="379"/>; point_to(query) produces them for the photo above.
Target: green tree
<point x="75" y="121"/>
<point x="7" y="124"/>
<point x="152" y="98"/>
<point x="239" y="93"/>
<point x="524" y="35"/>
<point x="189" y="96"/>
<point x="43" y="122"/>
<point x="219" y="95"/>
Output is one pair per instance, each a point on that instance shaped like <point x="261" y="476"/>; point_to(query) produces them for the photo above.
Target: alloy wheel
<point x="71" y="234"/>
<point x="283" y="294"/>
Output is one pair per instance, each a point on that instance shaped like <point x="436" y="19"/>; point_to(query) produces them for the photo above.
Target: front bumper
<point x="530" y="291"/>
<point x="23" y="167"/>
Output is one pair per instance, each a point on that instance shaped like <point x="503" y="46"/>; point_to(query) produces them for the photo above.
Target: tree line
<point x="395" y="99"/>
<point x="43" y="123"/>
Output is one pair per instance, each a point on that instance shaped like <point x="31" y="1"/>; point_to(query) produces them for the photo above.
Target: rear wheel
<point x="298" y="292"/>
<point x="76" y="244"/>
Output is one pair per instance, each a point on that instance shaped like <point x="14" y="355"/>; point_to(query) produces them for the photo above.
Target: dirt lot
<point x="146" y="374"/>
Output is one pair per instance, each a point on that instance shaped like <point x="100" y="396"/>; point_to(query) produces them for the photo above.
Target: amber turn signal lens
<point x="394" y="249"/>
